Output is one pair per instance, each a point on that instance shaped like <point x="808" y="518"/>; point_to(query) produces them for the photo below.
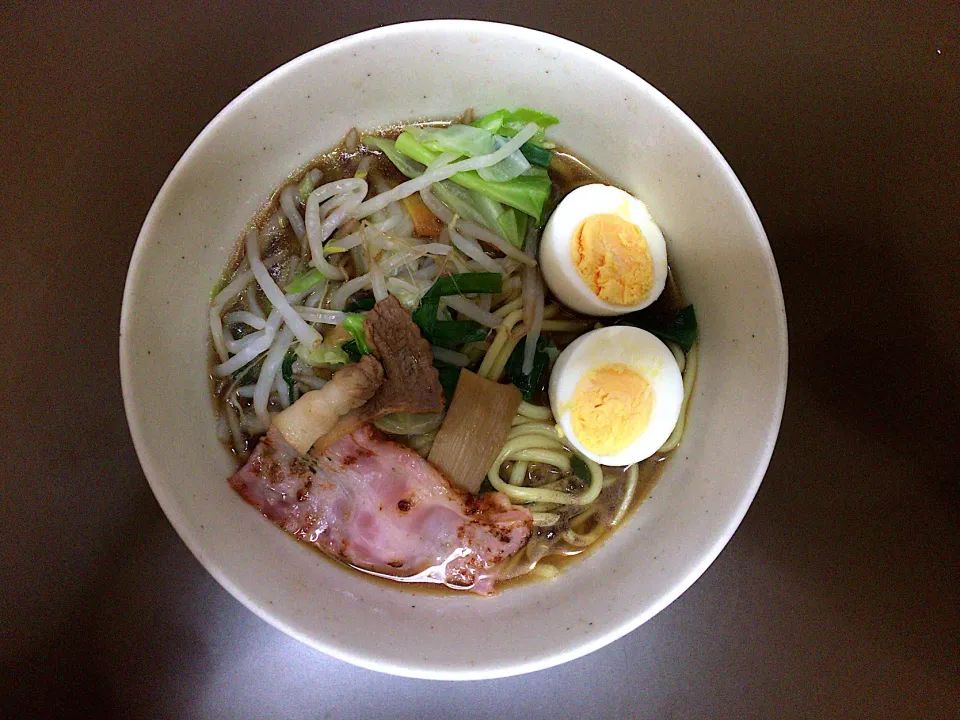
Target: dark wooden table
<point x="838" y="596"/>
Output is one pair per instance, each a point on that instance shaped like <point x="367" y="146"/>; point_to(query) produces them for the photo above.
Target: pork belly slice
<point x="381" y="507"/>
<point x="317" y="411"/>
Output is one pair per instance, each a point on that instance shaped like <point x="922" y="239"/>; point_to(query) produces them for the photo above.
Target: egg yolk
<point x="613" y="258"/>
<point x="610" y="408"/>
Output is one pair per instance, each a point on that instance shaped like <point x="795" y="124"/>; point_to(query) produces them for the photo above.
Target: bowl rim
<point x="166" y="498"/>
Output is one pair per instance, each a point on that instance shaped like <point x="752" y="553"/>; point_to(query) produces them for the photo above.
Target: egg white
<point x="637" y="349"/>
<point x="557" y="265"/>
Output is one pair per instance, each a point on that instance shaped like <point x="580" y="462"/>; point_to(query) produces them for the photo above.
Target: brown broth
<point x="650" y="471"/>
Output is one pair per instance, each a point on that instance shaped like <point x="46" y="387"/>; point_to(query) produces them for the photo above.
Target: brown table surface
<point x="839" y="594"/>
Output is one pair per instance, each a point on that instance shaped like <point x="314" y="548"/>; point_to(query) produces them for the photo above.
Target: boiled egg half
<point x="616" y="394"/>
<point x="601" y="253"/>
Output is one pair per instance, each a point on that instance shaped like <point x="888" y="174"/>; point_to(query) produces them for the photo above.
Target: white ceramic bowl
<point x="611" y="118"/>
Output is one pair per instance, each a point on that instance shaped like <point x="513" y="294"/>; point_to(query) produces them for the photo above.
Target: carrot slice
<point x="425" y="223"/>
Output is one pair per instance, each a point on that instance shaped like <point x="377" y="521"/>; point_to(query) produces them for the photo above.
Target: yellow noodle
<point x="516" y="335"/>
<point x="518" y="473"/>
<point x="580" y="519"/>
<point x="543" y="507"/>
<point x="534" y="411"/>
<point x="519" y="443"/>
<point x="540" y="455"/>
<point x="508" y="307"/>
<point x="496" y="370"/>
<point x="677" y="354"/>
<point x="534" y="427"/>
<point x="544" y="519"/>
<point x="579" y="540"/>
<point x="633" y="475"/>
<point x="689" y="378"/>
<point x="526" y="495"/>
<point x="503" y="334"/>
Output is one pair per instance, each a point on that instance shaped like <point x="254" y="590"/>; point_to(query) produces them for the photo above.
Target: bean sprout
<point x="472" y="310"/>
<point x="253" y="303"/>
<point x="349" y="288"/>
<point x="245" y="317"/>
<point x="320" y="228"/>
<point x="326" y="317"/>
<point x="377" y="282"/>
<point x="225" y="296"/>
<point x="472" y="250"/>
<point x="305" y="334"/>
<point x="502" y="336"/>
<point x="271" y="365"/>
<point x="288" y="203"/>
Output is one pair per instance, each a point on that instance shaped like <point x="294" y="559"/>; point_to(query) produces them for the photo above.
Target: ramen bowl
<point x="628" y="131"/>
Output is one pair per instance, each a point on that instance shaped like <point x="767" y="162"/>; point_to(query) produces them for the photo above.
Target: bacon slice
<point x="379" y="506"/>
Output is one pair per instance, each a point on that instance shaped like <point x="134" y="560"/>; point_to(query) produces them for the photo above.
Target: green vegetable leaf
<point x="425" y="316"/>
<point x="305" y="188"/>
<point x="491" y="122"/>
<point x="526" y="193"/>
<point x="522" y="116"/>
<point x="351" y="350"/>
<point x="446" y="333"/>
<point x="449" y="377"/>
<point x="324" y="354"/>
<point x="454" y="333"/>
<point x="460" y="139"/>
<point x="533" y="383"/>
<point x="509" y="167"/>
<point x="353" y="324"/>
<point x="509" y="123"/>
<point x="403" y="163"/>
<point x="580" y="468"/>
<point x="360" y="304"/>
<point x="468" y="204"/>
<point x="286" y="371"/>
<point x="306" y="281"/>
<point x="513" y="226"/>
<point x="464" y="283"/>
<point x="476" y="207"/>
<point x="679" y="327"/>
<point x="464" y="203"/>
<point x="536" y="155"/>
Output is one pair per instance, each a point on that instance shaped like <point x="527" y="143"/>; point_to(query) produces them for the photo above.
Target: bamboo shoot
<point x="474" y="430"/>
